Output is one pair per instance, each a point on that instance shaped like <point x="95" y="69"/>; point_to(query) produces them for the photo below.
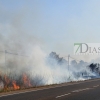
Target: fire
<point x="10" y="83"/>
<point x="6" y="82"/>
<point x="15" y="86"/>
<point x="26" y="80"/>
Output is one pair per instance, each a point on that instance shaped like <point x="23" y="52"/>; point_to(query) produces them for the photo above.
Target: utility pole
<point x="5" y="61"/>
<point x="68" y="61"/>
<point x="68" y="65"/>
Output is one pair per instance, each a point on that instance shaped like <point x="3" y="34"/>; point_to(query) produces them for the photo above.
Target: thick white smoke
<point x="50" y="71"/>
<point x="32" y="59"/>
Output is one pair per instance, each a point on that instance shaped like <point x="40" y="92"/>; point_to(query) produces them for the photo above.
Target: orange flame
<point x="26" y="80"/>
<point x="15" y="86"/>
<point x="6" y="82"/>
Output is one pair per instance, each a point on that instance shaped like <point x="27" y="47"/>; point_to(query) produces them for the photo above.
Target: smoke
<point x="41" y="68"/>
<point x="26" y="60"/>
<point x="24" y="54"/>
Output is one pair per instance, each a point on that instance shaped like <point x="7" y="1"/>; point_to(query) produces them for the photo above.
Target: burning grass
<point x="8" y="83"/>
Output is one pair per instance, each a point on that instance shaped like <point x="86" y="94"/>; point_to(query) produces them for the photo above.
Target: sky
<point x="57" y="24"/>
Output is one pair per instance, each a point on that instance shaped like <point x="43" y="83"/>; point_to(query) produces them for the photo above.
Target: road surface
<point x="85" y="90"/>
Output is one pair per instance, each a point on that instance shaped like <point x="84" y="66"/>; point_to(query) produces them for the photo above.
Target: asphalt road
<point x="86" y="90"/>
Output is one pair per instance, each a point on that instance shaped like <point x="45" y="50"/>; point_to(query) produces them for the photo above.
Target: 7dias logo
<point x="86" y="48"/>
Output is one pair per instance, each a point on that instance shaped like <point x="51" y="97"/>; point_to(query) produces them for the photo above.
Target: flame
<point x="15" y="86"/>
<point x="6" y="82"/>
<point x="26" y="80"/>
<point x="11" y="83"/>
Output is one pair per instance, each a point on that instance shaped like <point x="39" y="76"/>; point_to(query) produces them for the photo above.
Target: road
<point x="85" y="90"/>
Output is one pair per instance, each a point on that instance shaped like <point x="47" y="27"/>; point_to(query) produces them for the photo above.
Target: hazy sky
<point x="58" y="24"/>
